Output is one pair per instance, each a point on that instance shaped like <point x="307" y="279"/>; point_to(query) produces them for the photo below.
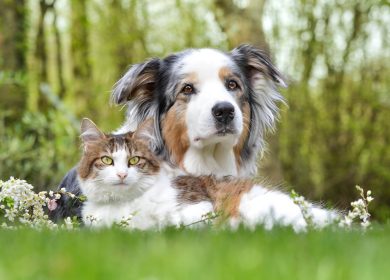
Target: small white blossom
<point x="124" y="222"/>
<point x="90" y="220"/>
<point x="305" y="206"/>
<point x="359" y="211"/>
<point x="68" y="224"/>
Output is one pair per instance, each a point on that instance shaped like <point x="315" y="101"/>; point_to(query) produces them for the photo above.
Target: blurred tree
<point x="59" y="51"/>
<point x="80" y="60"/>
<point x="331" y="129"/>
<point x="247" y="17"/>
<point x="41" y="56"/>
<point x="13" y="23"/>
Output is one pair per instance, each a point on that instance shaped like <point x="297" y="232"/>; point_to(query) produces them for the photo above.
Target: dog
<point x="210" y="111"/>
<point x="210" y="108"/>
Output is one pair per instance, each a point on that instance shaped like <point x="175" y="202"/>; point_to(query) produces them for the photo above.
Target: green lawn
<point x="186" y="254"/>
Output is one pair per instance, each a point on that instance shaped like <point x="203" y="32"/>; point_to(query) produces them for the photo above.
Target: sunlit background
<point x="59" y="60"/>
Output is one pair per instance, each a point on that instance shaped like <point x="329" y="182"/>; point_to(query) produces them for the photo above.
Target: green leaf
<point x="9" y="202"/>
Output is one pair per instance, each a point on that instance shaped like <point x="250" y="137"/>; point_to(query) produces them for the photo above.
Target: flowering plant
<point x="359" y="210"/>
<point x="20" y="206"/>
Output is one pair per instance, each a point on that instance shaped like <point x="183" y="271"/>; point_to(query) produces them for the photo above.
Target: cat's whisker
<point x="96" y="180"/>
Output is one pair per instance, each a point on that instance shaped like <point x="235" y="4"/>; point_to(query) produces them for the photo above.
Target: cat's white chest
<point x="156" y="208"/>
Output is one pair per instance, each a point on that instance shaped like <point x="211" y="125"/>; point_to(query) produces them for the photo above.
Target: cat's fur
<point x="152" y="197"/>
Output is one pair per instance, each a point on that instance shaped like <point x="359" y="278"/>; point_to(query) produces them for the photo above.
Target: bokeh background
<point x="60" y="58"/>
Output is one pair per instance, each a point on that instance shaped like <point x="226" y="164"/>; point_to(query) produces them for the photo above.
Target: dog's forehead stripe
<point x="204" y="62"/>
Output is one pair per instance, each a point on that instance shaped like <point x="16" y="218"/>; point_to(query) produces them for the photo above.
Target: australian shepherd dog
<point x="210" y="108"/>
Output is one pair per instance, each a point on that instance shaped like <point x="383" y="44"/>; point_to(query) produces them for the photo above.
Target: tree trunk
<point x="81" y="66"/>
<point x="241" y="24"/>
<point x="13" y="17"/>
<point x="57" y="38"/>
<point x="41" y="56"/>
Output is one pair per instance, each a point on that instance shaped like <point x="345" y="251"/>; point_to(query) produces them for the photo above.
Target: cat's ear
<point x="145" y="131"/>
<point x="90" y="131"/>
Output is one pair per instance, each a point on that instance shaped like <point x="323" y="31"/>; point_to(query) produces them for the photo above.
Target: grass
<point x="186" y="254"/>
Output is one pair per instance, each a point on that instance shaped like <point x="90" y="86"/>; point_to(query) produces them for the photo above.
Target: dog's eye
<point x="232" y="85"/>
<point x="188" y="89"/>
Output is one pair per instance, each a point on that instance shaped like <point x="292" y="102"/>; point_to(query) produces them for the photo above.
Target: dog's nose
<point x="223" y="112"/>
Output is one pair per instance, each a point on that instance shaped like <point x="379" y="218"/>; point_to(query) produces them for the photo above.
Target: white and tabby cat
<point x="122" y="178"/>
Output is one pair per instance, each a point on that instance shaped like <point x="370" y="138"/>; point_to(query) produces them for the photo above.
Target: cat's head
<point x="115" y="167"/>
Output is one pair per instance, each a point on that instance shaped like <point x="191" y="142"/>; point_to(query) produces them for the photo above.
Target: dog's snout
<point x="223" y="112"/>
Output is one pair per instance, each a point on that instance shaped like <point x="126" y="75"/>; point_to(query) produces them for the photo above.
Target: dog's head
<point x="200" y="98"/>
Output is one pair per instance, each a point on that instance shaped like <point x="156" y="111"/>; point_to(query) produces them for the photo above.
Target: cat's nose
<point x="122" y="175"/>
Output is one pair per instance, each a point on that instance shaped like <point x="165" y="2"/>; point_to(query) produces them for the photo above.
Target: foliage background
<point x="59" y="60"/>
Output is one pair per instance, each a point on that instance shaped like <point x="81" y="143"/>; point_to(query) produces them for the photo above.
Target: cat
<point x="124" y="181"/>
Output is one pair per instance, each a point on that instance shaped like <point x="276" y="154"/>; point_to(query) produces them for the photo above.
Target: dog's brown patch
<point x="190" y="78"/>
<point x="194" y="189"/>
<point x="174" y="131"/>
<point x="225" y="73"/>
<point x="225" y="194"/>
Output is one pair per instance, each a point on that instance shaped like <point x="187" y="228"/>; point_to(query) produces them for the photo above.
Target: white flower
<point x="68" y="224"/>
<point x="359" y="210"/>
<point x="21" y="204"/>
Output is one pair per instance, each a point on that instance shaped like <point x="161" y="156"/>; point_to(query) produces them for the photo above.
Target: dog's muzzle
<point x="223" y="112"/>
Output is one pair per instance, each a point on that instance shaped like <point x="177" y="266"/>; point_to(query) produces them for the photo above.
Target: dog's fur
<point x="187" y="132"/>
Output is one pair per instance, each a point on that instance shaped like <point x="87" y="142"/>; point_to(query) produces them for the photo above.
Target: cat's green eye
<point x="133" y="160"/>
<point x="107" y="160"/>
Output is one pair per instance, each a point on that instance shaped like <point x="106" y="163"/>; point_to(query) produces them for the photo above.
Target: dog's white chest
<point x="217" y="161"/>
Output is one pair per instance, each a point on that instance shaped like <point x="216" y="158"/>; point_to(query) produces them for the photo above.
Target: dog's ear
<point x="264" y="79"/>
<point x="257" y="62"/>
<point x="137" y="84"/>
